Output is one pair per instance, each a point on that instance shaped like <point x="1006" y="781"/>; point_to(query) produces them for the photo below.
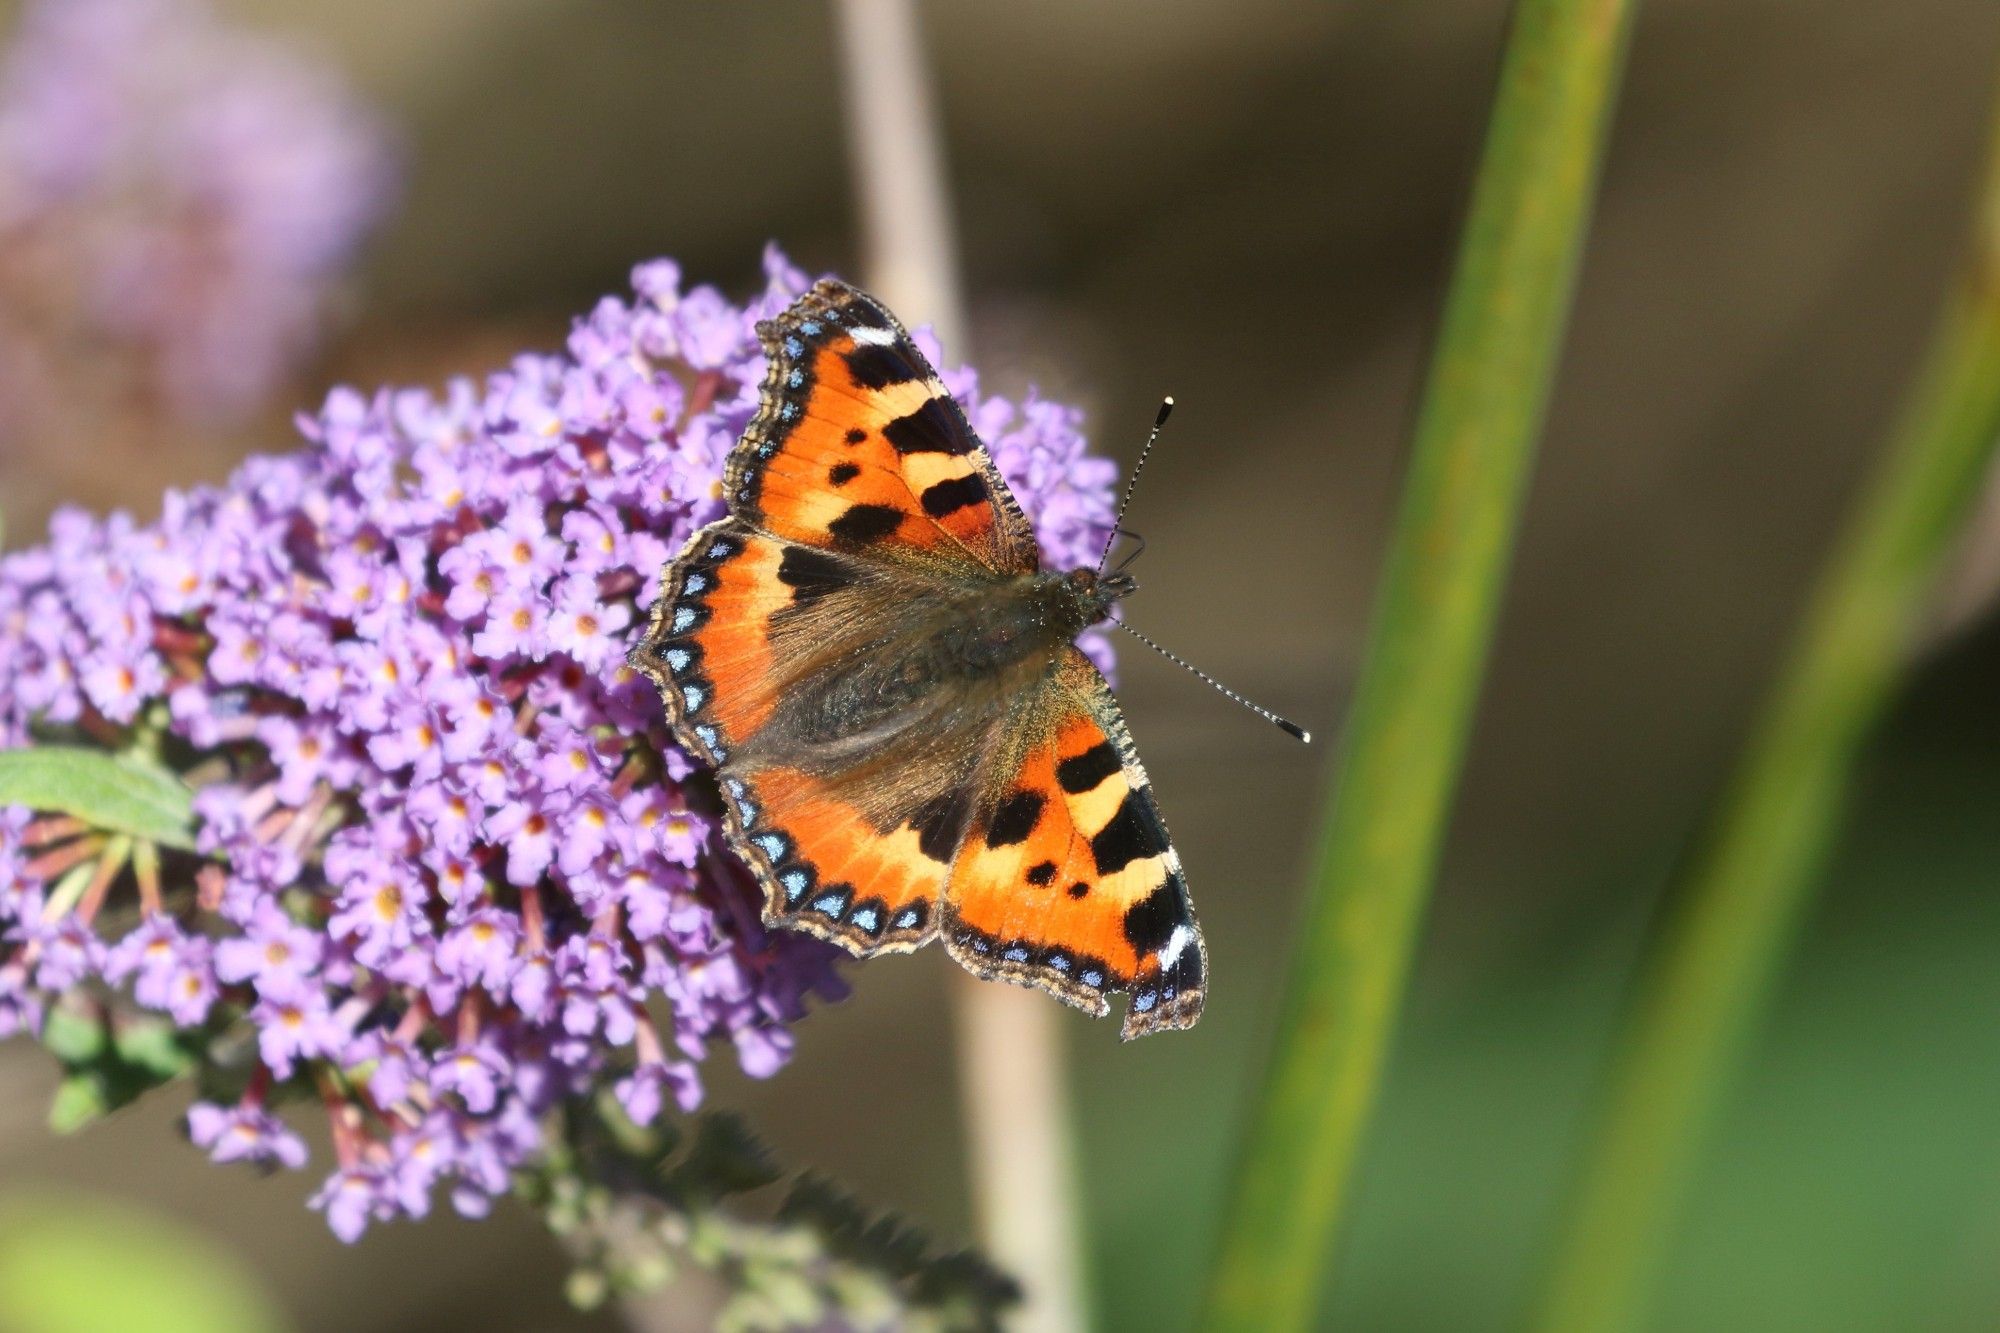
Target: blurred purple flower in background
<point x="176" y="200"/>
<point x="450" y="872"/>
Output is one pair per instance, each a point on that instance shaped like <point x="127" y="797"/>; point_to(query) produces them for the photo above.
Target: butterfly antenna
<point x="1134" y="553"/>
<point x="1166" y="409"/>
<point x="1289" y="728"/>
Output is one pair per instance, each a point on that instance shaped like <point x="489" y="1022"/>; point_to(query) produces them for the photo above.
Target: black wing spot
<point x="1015" y="819"/>
<point x="940" y="822"/>
<point x="810" y="574"/>
<point x="1132" y="834"/>
<point x="1041" y="874"/>
<point x="855" y="436"/>
<point x="948" y="497"/>
<point x="1150" y="922"/>
<point x="876" y="367"/>
<point x="934" y="428"/>
<point x="866" y="523"/>
<point x="1079" y="889"/>
<point x="865" y="313"/>
<point x="842" y="473"/>
<point x="1082" y="772"/>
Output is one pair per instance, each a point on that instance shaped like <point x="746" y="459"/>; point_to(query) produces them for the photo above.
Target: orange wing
<point x="857" y="447"/>
<point x="837" y="874"/>
<point x="743" y="615"/>
<point x="712" y="646"/>
<point x="1066" y="879"/>
<point x="858" y="486"/>
<point x="1022" y="828"/>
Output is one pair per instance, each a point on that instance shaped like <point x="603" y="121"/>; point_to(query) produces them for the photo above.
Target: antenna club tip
<point x="1294" y="729"/>
<point x="1166" y="409"/>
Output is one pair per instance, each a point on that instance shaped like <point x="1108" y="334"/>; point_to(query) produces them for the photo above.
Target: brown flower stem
<point x="533" y="925"/>
<point x="52" y="863"/>
<point x="52" y="828"/>
<point x="1012" y="1081"/>
<point x="116" y="853"/>
<point x="146" y="870"/>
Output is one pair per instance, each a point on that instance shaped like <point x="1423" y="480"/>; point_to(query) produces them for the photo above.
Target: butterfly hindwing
<point x="1067" y="879"/>
<point x="833" y="870"/>
<point x="857" y="447"/>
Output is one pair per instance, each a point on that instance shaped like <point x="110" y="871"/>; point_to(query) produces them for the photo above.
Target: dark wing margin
<point x="856" y="445"/>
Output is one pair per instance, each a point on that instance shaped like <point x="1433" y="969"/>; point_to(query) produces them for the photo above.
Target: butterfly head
<point x="1092" y="594"/>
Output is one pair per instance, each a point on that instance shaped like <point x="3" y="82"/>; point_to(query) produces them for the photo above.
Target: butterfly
<point x="908" y="742"/>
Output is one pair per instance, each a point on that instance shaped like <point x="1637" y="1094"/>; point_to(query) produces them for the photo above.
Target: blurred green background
<point x="1251" y="205"/>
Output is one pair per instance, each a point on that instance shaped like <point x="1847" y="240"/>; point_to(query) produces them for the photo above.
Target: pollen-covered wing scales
<point x="906" y="740"/>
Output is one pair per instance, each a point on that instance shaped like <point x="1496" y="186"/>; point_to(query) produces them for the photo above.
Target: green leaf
<point x="142" y="1054"/>
<point x="1433" y="619"/>
<point x="1743" y="894"/>
<point x="74" y="1034"/>
<point x="81" y="1098"/>
<point x="123" y="794"/>
<point x="724" y="1159"/>
<point x="822" y="1256"/>
<point x="70" y="1265"/>
<point x="153" y="1049"/>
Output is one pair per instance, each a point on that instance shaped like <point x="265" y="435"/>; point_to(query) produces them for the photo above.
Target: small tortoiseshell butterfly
<point x="909" y="743"/>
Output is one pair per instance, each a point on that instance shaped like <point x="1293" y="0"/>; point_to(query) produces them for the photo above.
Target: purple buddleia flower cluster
<point x="450" y="872"/>
<point x="176" y="197"/>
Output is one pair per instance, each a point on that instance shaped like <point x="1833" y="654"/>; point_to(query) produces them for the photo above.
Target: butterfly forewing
<point x="858" y="447"/>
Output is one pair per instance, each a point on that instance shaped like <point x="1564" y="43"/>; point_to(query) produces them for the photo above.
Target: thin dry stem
<point x="1011" y="1075"/>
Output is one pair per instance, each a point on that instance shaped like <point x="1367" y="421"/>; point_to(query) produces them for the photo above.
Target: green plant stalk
<point x="1441" y="585"/>
<point x="1745" y="888"/>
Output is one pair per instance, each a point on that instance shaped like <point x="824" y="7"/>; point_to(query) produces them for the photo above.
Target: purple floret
<point x="458" y="871"/>
<point x="175" y="191"/>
